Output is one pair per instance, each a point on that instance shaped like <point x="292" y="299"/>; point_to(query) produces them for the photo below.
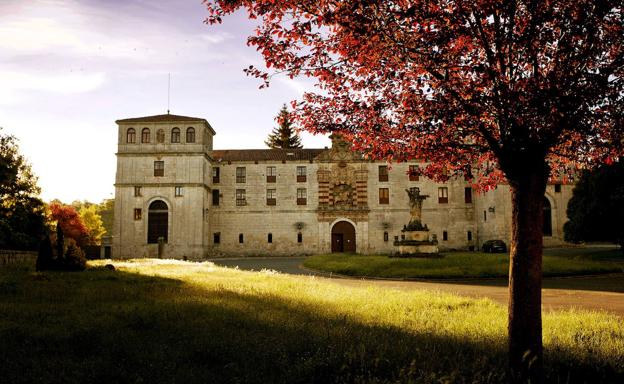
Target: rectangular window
<point x="484" y="215"/>
<point x="137" y="214"/>
<point x="468" y="195"/>
<point x="241" y="238"/>
<point x="271" y="197"/>
<point x="215" y="197"/>
<point x="384" y="196"/>
<point x="302" y="174"/>
<point x="271" y="174"/>
<point x="557" y="188"/>
<point x="469" y="235"/>
<point x="241" y="175"/>
<point x="413" y="173"/>
<point x="270" y="238"/>
<point x="383" y="173"/>
<point x="240" y="197"/>
<point x="179" y="191"/>
<point x="302" y="196"/>
<point x="216" y="237"/>
<point x="216" y="173"/>
<point x="444" y="235"/>
<point x="137" y="191"/>
<point x="299" y="238"/>
<point x="159" y="168"/>
<point x="386" y="236"/>
<point x="443" y="195"/>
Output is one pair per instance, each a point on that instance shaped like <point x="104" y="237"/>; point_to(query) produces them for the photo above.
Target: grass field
<point x="459" y="265"/>
<point x="166" y="321"/>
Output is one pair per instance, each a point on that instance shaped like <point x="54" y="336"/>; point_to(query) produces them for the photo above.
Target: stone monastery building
<point x="172" y="184"/>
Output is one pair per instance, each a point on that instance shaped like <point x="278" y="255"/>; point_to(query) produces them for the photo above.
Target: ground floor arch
<point x="343" y="237"/>
<point x="157" y="222"/>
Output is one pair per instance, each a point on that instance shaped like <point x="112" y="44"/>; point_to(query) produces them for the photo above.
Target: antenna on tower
<point x="168" y="91"/>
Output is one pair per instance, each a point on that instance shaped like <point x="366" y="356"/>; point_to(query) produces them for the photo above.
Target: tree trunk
<point x="525" y="275"/>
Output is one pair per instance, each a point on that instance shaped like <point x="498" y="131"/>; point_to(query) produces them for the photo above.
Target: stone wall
<point x="8" y="257"/>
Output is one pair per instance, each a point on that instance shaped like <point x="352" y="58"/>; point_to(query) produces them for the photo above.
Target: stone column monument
<point x="415" y="240"/>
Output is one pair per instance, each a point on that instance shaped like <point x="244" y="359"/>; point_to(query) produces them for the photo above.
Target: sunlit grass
<point x="456" y="265"/>
<point x="166" y="321"/>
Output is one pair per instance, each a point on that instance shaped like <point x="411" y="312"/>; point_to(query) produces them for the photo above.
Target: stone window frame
<point x="241" y="238"/>
<point x="216" y="196"/>
<point x="412" y="172"/>
<point x="271" y="196"/>
<point x="302" y="173"/>
<point x="145" y="135"/>
<point x="216" y="175"/>
<point x="445" y="236"/>
<point x="131" y="136"/>
<point x="178" y="191"/>
<point x="468" y="195"/>
<point x="271" y="174"/>
<point x="270" y="238"/>
<point x="175" y="135"/>
<point x="302" y="196"/>
<point x="190" y="135"/>
<point x="216" y="238"/>
<point x="241" y="175"/>
<point x="137" y="191"/>
<point x="383" y="173"/>
<point x="159" y="168"/>
<point x="138" y="214"/>
<point x="384" y="196"/>
<point x="443" y="195"/>
<point x="299" y="237"/>
<point x="241" y="197"/>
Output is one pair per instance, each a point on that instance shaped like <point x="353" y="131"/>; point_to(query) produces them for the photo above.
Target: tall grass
<point x="155" y="321"/>
<point x="456" y="265"/>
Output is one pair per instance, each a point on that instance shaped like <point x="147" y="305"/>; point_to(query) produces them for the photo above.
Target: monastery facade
<point x="178" y="197"/>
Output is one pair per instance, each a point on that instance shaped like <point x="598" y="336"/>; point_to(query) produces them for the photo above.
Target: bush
<point x="74" y="259"/>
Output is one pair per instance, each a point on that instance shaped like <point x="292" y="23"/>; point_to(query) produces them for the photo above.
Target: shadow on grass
<point x="105" y="326"/>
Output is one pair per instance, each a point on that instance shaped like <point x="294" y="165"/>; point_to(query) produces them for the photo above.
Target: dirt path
<point x="552" y="299"/>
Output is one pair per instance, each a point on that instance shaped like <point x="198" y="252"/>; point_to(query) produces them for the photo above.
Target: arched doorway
<point x="343" y="237"/>
<point x="157" y="222"/>
<point x="547" y="227"/>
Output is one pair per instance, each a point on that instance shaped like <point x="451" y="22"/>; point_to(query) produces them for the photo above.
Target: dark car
<point x="494" y="246"/>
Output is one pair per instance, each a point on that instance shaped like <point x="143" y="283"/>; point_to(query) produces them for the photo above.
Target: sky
<point x="70" y="68"/>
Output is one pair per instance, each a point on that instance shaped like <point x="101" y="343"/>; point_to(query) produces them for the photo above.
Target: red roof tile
<point x="266" y="154"/>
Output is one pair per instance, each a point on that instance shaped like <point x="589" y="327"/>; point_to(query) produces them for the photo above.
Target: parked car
<point x="494" y="246"/>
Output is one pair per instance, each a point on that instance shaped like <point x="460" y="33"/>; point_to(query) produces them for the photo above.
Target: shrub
<point x="74" y="259"/>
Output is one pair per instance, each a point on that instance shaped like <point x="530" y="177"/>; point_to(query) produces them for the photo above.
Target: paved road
<point x="552" y="299"/>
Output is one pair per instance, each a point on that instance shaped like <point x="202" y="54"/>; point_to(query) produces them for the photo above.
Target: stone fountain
<point x="415" y="241"/>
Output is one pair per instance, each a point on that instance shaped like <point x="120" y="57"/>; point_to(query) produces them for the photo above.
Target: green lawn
<point x="459" y="265"/>
<point x="165" y="321"/>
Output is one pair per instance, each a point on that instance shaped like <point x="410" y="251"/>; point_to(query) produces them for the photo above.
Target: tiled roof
<point x="266" y="154"/>
<point x="161" y="118"/>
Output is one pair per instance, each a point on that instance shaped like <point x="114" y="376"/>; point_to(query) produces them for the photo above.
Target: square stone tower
<point x="161" y="187"/>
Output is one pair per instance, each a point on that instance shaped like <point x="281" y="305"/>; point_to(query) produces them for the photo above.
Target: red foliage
<point x="71" y="223"/>
<point x="470" y="86"/>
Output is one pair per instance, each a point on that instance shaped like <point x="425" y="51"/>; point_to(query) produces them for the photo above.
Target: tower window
<point x="385" y="237"/>
<point x="241" y="239"/>
<point x="216" y="237"/>
<point x="145" y="135"/>
<point x="270" y="238"/>
<point x="175" y="135"/>
<point x="137" y="213"/>
<point x="299" y="238"/>
<point x="216" y="172"/>
<point x="469" y="235"/>
<point x="190" y="135"/>
<point x="444" y="235"/>
<point x="131" y="136"/>
<point x="137" y="191"/>
<point x="179" y="191"/>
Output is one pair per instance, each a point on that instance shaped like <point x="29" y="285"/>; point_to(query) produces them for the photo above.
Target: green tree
<point x="283" y="136"/>
<point x="22" y="213"/>
<point x="106" y="210"/>
<point x="93" y="222"/>
<point x="596" y="209"/>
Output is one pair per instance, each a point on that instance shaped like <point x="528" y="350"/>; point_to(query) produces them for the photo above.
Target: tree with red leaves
<point x="515" y="91"/>
<point x="70" y="222"/>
